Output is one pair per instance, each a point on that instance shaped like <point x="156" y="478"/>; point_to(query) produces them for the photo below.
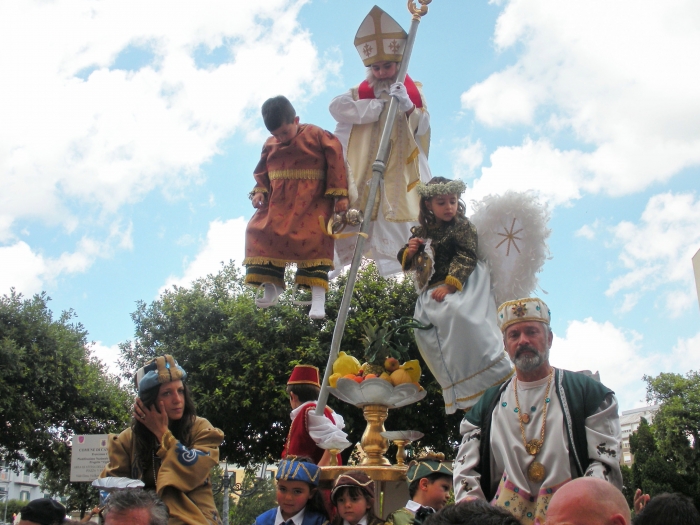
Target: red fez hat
<point x="305" y="375"/>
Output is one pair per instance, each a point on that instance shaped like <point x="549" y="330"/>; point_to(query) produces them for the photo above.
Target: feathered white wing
<point x="513" y="234"/>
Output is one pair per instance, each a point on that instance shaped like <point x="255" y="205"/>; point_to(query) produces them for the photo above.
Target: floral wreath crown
<point x="454" y="187"/>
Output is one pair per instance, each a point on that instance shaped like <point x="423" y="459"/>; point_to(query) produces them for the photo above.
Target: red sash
<point x="366" y="91"/>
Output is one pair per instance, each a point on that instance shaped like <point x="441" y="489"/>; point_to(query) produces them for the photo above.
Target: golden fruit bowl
<point x="376" y="396"/>
<point x="377" y="391"/>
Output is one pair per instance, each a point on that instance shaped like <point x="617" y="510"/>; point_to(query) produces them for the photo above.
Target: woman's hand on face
<point x="154" y="420"/>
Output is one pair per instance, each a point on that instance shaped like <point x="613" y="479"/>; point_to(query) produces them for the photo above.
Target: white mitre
<point x="380" y="38"/>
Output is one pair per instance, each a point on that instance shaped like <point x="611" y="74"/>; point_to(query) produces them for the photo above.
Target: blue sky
<point x="130" y="131"/>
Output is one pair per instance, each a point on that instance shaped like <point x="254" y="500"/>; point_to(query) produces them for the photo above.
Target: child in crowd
<point x="353" y="498"/>
<point x="300" y="173"/>
<point x="464" y="350"/>
<point x="430" y="483"/>
<point x="297" y="495"/>
<point x="308" y="430"/>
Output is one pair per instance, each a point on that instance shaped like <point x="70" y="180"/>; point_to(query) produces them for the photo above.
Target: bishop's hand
<point x="398" y="91"/>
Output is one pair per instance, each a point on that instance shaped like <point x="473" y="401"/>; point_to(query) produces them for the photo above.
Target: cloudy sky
<point x="130" y="131"/>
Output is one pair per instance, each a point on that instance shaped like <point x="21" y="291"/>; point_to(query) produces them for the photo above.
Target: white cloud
<point x="225" y="241"/>
<point x="615" y="353"/>
<point x="108" y="355"/>
<point x="619" y="76"/>
<point x="21" y="268"/>
<point x="586" y="231"/>
<point x="685" y="355"/>
<point x="28" y="271"/>
<point x="81" y="137"/>
<point x="469" y="157"/>
<point x="658" y="251"/>
<point x="536" y="165"/>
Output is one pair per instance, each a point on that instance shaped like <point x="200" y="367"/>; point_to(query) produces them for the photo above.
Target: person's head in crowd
<point x="135" y="507"/>
<point x="44" y="511"/>
<point x="303" y="385"/>
<point x="588" y="501"/>
<point x="668" y="509"/>
<point x="430" y="481"/>
<point x="297" y="482"/>
<point x="161" y="383"/>
<point x="353" y="497"/>
<point x="527" y="336"/>
<point x="473" y="512"/>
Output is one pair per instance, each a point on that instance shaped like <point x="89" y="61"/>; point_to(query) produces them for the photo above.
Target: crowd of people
<point x="540" y="445"/>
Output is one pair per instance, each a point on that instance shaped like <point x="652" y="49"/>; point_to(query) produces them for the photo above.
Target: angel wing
<point x="513" y="234"/>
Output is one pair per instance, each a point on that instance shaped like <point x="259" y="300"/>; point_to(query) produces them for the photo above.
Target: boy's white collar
<point x="298" y="518"/>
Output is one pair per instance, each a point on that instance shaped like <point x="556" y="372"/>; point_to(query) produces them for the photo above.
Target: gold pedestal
<point x="373" y="444"/>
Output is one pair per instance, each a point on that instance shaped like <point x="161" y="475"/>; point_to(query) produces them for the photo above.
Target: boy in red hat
<point x="308" y="431"/>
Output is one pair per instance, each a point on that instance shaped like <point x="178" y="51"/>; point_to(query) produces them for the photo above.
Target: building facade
<point x="629" y="423"/>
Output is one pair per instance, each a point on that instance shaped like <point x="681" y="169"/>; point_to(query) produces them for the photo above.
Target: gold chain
<point x="534" y="446"/>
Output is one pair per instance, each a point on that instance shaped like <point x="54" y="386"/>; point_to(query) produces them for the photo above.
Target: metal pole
<point x="377" y="174"/>
<point x="226" y="481"/>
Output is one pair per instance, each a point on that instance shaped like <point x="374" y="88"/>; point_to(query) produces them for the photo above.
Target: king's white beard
<point x="377" y="84"/>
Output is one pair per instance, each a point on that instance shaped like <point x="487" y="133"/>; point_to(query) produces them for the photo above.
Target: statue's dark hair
<point x="277" y="111"/>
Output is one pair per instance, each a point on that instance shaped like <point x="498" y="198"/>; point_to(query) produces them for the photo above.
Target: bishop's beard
<point x="377" y="84"/>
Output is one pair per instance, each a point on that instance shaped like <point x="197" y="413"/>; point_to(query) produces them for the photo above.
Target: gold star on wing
<point x="510" y="236"/>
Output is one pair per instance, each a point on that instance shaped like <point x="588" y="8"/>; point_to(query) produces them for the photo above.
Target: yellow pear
<point x="333" y="380"/>
<point x="346" y="364"/>
<point x="413" y="369"/>
<point x="399" y="377"/>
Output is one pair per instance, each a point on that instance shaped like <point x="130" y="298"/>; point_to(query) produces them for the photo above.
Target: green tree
<point x="665" y="453"/>
<point x="51" y="388"/>
<point x="239" y="357"/>
<point x="247" y="508"/>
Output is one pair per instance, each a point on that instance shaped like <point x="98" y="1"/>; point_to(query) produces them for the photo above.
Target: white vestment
<point x="526" y="499"/>
<point x="386" y="237"/>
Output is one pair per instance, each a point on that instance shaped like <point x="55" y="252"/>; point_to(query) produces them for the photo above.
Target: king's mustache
<point x="526" y="348"/>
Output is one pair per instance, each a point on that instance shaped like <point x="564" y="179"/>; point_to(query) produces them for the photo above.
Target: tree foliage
<point x="51" y="389"/>
<point x="665" y="453"/>
<point x="239" y="357"/>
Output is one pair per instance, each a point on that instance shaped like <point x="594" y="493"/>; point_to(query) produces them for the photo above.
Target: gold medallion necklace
<point x="536" y="471"/>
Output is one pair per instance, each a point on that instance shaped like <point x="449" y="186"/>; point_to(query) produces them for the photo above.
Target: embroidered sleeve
<point x="406" y="263"/>
<point x="464" y="258"/>
<point x="603" y="436"/>
<point x="466" y="478"/>
<point x="184" y="468"/>
<point x="262" y="179"/>
<point x="336" y="176"/>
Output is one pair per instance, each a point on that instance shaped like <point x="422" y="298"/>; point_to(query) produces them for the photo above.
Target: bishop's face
<point x="384" y="70"/>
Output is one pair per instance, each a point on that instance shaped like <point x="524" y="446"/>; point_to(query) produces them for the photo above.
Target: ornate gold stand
<point x="374" y="445"/>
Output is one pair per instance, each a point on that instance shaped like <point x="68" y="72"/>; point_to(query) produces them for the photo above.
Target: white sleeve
<point x="323" y="430"/>
<point x="466" y="478"/>
<point x="345" y="109"/>
<point x="423" y="123"/>
<point x="604" y="437"/>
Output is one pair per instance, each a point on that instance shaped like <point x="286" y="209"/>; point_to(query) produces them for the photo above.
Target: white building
<point x="629" y="423"/>
<point x="22" y="486"/>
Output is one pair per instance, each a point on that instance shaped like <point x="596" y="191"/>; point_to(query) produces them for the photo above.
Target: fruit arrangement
<point x="349" y="367"/>
<point x="384" y="346"/>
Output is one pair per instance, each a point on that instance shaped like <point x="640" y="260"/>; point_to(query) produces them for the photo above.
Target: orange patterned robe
<point x="300" y="180"/>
